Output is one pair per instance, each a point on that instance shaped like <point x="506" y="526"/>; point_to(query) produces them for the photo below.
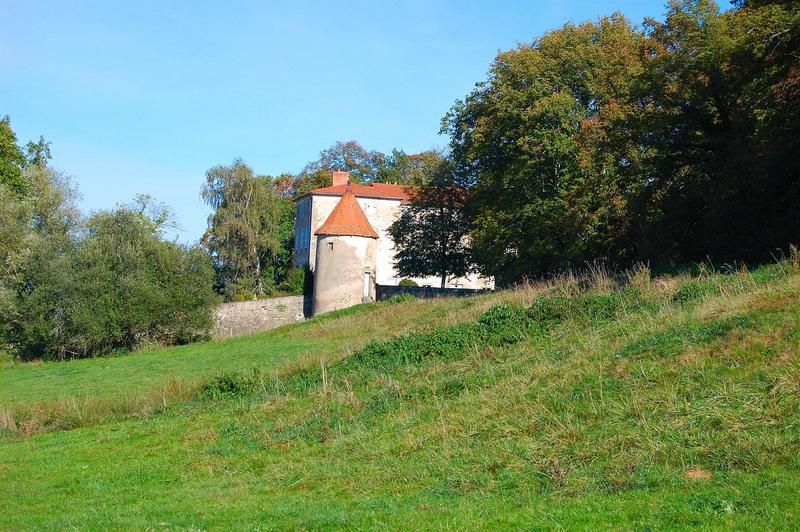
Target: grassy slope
<point x="666" y="413"/>
<point x="140" y="372"/>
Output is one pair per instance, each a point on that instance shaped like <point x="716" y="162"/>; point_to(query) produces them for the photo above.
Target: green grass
<point x="105" y="376"/>
<point x="330" y="334"/>
<point x="672" y="403"/>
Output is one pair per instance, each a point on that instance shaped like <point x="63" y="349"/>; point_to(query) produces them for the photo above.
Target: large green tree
<point x="552" y="180"/>
<point x="249" y="231"/>
<point x="670" y="143"/>
<point x="720" y="122"/>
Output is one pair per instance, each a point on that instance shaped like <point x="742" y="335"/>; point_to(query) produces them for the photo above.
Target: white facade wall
<point x="381" y="213"/>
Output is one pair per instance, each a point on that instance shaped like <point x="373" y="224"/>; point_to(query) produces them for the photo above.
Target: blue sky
<point x="146" y="96"/>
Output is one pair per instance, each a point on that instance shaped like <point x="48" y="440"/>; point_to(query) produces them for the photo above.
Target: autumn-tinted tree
<point x="720" y="124"/>
<point x="363" y="165"/>
<point x="552" y="179"/>
<point x="430" y="235"/>
<point x="675" y="142"/>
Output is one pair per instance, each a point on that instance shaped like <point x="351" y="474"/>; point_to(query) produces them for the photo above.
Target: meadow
<point x="622" y="401"/>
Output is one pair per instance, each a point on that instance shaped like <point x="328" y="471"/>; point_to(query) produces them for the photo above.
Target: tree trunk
<point x="444" y="279"/>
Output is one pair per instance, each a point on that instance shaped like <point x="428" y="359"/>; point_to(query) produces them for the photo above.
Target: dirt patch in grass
<point x="697" y="474"/>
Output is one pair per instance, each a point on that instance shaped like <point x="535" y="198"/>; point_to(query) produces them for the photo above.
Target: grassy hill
<point x="631" y="402"/>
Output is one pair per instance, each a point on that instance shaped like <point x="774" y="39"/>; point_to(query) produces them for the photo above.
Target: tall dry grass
<point x="26" y="419"/>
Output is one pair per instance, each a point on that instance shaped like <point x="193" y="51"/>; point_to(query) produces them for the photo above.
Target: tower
<point x="344" y="272"/>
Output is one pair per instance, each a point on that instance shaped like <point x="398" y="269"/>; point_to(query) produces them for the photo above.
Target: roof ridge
<point x="377" y="190"/>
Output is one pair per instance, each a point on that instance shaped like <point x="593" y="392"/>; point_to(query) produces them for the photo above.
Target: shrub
<point x="402" y="298"/>
<point x="294" y="282"/>
<point x="407" y="282"/>
<point x="233" y="384"/>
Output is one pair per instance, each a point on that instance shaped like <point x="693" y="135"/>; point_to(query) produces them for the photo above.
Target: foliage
<point x="43" y="221"/>
<point x="118" y="287"/>
<point x="402" y="298"/>
<point x="72" y="288"/>
<point x="669" y="143"/>
<point x="407" y="282"/>
<point x="430" y="235"/>
<point x="363" y="165"/>
<point x="721" y="108"/>
<point x="249" y="232"/>
<point x="414" y="169"/>
<point x="350" y="156"/>
<point x="37" y="153"/>
<point x="530" y="138"/>
<point x="294" y="282"/>
<point x="12" y="159"/>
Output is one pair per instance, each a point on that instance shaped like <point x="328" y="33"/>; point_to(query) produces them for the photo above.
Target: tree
<point x="12" y="160"/>
<point x="363" y="165"/>
<point x="45" y="221"/>
<point x="719" y="122"/>
<point x="406" y="169"/>
<point x="306" y="181"/>
<point x="286" y="185"/>
<point x="552" y="180"/>
<point x="250" y="230"/>
<point x="431" y="233"/>
<point x="37" y="153"/>
<point x="348" y="156"/>
<point x="675" y="142"/>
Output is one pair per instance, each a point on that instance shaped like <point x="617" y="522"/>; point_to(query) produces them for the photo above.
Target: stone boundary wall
<point x="247" y="317"/>
<point x="384" y="292"/>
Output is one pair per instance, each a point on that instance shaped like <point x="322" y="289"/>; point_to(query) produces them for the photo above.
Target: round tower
<point x="344" y="272"/>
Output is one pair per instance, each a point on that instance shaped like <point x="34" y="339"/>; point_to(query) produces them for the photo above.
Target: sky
<point x="145" y="96"/>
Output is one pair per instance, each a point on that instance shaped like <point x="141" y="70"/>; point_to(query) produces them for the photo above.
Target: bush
<point x="294" y="282"/>
<point x="233" y="384"/>
<point x="407" y="282"/>
<point x="402" y="298"/>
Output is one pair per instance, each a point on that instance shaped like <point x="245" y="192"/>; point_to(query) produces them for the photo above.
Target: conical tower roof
<point x="347" y="219"/>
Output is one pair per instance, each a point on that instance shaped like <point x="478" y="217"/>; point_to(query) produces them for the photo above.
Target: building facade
<point x="380" y="204"/>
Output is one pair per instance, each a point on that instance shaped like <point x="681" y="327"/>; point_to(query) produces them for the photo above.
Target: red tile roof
<point x="347" y="218"/>
<point x="372" y="190"/>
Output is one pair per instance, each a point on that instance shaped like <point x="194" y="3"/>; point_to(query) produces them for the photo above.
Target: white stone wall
<point x="381" y="213"/>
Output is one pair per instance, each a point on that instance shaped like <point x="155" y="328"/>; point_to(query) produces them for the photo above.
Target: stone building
<point x="342" y="235"/>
